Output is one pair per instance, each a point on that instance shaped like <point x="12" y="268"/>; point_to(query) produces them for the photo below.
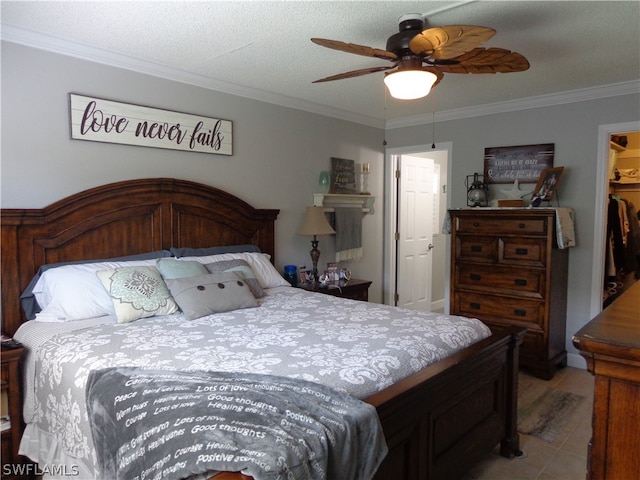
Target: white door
<point x="415" y="228"/>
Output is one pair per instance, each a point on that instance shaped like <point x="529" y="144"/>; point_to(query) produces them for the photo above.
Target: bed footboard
<point x="441" y="421"/>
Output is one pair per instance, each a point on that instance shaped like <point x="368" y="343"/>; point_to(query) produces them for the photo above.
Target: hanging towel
<point x="565" y="234"/>
<point x="348" y="234"/>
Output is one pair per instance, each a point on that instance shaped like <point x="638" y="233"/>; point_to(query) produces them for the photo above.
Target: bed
<point x="438" y="420"/>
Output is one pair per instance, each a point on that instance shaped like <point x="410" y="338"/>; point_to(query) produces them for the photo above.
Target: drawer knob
<point x="475" y="306"/>
<point x="522" y="251"/>
<point x="521" y="225"/>
<point x="476" y="248"/>
<point x="520" y="282"/>
<point x="475" y="277"/>
<point x="520" y="313"/>
<point x="476" y="224"/>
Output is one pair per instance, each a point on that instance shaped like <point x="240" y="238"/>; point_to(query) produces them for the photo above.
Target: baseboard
<point x="437" y="306"/>
<point x="576" y="361"/>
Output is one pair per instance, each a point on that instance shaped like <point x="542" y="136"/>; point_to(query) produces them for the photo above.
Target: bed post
<point x="510" y="445"/>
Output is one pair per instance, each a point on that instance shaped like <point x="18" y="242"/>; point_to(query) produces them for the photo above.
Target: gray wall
<point x="278" y="152"/>
<point x="573" y="128"/>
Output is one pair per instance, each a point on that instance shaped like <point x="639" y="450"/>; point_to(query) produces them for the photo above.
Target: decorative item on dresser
<point x="611" y="345"/>
<point x="355" y="289"/>
<point x="506" y="270"/>
<point x="477" y="191"/>
<point x="10" y="359"/>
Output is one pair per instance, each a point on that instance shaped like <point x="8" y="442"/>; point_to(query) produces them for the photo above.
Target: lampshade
<point x="315" y="223"/>
<point x="410" y="84"/>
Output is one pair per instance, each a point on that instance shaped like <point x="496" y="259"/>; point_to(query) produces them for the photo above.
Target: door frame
<point x="391" y="216"/>
<point x="599" y="224"/>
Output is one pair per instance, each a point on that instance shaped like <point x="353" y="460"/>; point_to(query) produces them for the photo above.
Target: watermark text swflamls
<point x="31" y="469"/>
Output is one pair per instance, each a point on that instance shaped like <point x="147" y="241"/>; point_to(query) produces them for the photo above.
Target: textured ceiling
<point x="262" y="49"/>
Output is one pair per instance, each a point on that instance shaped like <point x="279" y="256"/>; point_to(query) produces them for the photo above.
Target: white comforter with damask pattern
<point x="356" y="347"/>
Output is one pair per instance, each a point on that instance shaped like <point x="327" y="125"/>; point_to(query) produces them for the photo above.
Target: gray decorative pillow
<point x="242" y="268"/>
<point x="137" y="292"/>
<point x="211" y="293"/>
<point x="170" y="268"/>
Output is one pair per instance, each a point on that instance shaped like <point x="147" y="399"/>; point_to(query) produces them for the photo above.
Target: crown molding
<point x="581" y="95"/>
<point x="93" y="54"/>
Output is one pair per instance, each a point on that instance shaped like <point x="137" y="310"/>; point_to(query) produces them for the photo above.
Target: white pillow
<point x="260" y="263"/>
<point x="74" y="292"/>
<point x="137" y="292"/>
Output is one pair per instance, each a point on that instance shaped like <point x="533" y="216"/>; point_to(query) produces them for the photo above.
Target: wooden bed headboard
<point x="119" y="219"/>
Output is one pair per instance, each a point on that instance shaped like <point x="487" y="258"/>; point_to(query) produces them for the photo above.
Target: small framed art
<point x="546" y="186"/>
<point x="343" y="176"/>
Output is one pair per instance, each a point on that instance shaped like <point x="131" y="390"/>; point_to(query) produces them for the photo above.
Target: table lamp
<point x="315" y="223"/>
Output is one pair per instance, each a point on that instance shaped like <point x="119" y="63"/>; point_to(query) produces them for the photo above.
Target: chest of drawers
<point x="506" y="270"/>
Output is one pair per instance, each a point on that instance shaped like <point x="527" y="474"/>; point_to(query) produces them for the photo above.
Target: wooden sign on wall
<point x="523" y="163"/>
<point x="100" y="120"/>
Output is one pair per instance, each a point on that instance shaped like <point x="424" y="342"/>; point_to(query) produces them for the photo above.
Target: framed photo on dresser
<point x="547" y="185"/>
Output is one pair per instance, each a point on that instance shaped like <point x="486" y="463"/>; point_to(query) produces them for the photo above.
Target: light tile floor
<point x="565" y="458"/>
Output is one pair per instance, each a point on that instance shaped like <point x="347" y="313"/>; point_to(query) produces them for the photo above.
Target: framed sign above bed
<point x="99" y="120"/>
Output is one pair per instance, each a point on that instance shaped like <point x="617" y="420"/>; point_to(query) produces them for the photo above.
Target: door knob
<point x="430" y="247"/>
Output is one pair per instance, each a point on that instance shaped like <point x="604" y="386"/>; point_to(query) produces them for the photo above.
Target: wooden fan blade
<point x="487" y="60"/>
<point x="354" y="73"/>
<point x="441" y="43"/>
<point x="357" y="49"/>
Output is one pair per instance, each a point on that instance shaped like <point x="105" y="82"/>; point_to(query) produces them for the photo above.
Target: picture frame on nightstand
<point x="306" y="276"/>
<point x="332" y="272"/>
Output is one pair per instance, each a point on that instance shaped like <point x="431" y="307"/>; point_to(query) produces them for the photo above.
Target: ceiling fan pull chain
<point x="384" y="140"/>
<point x="433" y="129"/>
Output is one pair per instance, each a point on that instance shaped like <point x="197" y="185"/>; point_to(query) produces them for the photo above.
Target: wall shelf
<point x="329" y="201"/>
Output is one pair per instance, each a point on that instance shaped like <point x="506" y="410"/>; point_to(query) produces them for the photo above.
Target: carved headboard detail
<point x="120" y="219"/>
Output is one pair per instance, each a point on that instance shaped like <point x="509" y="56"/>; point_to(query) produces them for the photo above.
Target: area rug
<point x="542" y="411"/>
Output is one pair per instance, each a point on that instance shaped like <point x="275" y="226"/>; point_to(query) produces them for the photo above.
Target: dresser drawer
<point x="508" y="311"/>
<point x="530" y="283"/>
<point x="479" y="249"/>
<point x="531" y="252"/>
<point x="501" y="225"/>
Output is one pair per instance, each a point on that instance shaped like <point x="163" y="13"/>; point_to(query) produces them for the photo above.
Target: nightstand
<point x="10" y="366"/>
<point x="354" y="289"/>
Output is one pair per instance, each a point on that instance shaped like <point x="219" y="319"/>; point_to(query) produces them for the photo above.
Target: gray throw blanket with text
<point x="154" y="424"/>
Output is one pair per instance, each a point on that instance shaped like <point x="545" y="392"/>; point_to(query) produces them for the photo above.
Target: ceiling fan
<point x="420" y="57"/>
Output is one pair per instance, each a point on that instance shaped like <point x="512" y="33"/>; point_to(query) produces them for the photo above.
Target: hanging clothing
<point x="614" y="233"/>
<point x="623" y="235"/>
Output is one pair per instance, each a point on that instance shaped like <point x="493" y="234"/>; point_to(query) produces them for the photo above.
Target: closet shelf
<point x="617" y="147"/>
<point x="624" y="185"/>
<point x="329" y="201"/>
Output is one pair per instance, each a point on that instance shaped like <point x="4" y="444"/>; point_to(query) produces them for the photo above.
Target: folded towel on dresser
<point x="565" y="234"/>
<point x="348" y="233"/>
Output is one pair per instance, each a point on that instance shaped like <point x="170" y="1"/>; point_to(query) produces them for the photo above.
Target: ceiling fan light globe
<point x="410" y="84"/>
